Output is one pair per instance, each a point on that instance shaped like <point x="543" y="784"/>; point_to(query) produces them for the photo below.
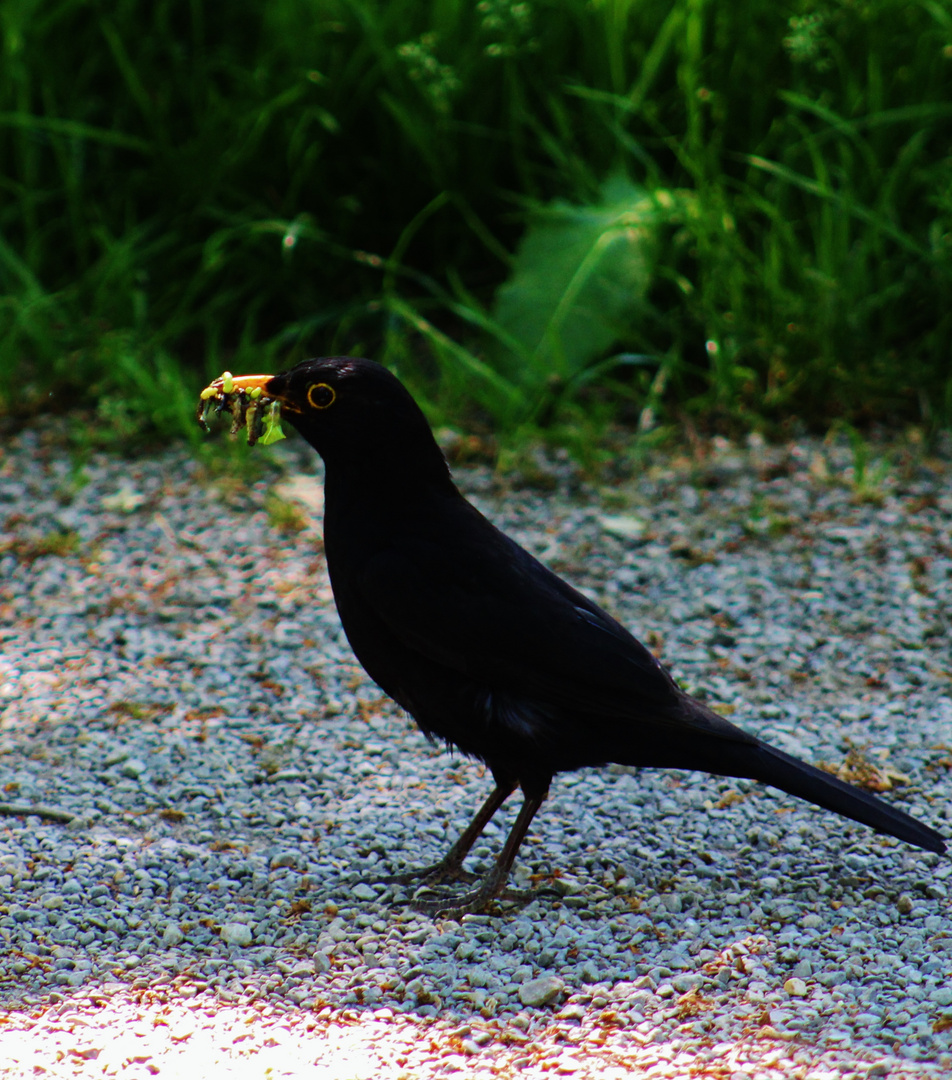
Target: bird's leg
<point x="450" y="867"/>
<point x="493" y="885"/>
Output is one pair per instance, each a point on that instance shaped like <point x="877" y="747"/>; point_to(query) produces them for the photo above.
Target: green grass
<point x="547" y="216"/>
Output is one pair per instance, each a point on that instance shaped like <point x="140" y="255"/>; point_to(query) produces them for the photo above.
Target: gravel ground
<point x="199" y="785"/>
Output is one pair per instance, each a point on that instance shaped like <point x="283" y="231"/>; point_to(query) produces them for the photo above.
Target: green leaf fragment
<point x="272" y="425"/>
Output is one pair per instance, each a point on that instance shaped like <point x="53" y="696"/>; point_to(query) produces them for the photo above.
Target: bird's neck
<point x="388" y="475"/>
<point x="377" y="496"/>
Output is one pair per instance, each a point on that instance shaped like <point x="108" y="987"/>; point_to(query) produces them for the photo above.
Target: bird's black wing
<point x="473" y="601"/>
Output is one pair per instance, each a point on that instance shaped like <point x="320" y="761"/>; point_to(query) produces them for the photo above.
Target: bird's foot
<point x="453" y="905"/>
<point x="445" y="872"/>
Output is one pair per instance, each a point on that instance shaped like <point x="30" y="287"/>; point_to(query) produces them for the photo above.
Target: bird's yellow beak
<point x="245" y="398"/>
<point x="237" y="384"/>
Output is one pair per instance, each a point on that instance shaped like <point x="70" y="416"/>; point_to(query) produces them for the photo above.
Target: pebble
<point x="178" y="683"/>
<point x="541" y="991"/>
<point x="284" y="859"/>
<point x="235" y="933"/>
<point x="172" y="936"/>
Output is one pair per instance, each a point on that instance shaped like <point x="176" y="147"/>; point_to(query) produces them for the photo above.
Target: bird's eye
<point x="321" y="396"/>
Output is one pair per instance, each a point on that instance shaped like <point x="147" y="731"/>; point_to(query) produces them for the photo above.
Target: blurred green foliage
<point x="535" y="211"/>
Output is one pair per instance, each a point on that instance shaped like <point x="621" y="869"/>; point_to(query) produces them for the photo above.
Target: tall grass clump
<point x="539" y="212"/>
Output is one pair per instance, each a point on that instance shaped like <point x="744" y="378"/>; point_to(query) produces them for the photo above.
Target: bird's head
<point x="354" y="412"/>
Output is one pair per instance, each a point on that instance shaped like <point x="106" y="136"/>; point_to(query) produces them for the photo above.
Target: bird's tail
<point x="780" y="770"/>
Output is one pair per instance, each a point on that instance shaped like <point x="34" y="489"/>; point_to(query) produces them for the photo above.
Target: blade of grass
<point x="823" y="191"/>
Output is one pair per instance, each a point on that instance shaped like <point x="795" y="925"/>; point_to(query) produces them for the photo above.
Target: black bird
<point x="484" y="646"/>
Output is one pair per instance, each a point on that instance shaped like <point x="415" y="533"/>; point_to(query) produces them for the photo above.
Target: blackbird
<point x="484" y="646"/>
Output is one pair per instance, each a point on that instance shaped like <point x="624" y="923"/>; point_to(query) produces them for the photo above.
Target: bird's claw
<point x="454" y="906"/>
<point x="441" y="873"/>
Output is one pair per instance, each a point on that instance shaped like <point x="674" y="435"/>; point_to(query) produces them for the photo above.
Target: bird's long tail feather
<point x="780" y="770"/>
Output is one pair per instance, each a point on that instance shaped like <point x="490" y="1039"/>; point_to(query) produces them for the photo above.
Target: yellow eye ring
<point x="321" y="396"/>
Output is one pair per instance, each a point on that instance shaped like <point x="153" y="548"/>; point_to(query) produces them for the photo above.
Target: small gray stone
<point x="236" y="933"/>
<point x="363" y="891"/>
<point x="589" y="972"/>
<point x="172" y="935"/>
<point x="573" y="1011"/>
<point x="284" y="859"/>
<point x="624" y="526"/>
<point x="566" y="885"/>
<point x="541" y="991"/>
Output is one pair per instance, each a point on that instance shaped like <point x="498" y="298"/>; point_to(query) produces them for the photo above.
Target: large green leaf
<point x="579" y="278"/>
